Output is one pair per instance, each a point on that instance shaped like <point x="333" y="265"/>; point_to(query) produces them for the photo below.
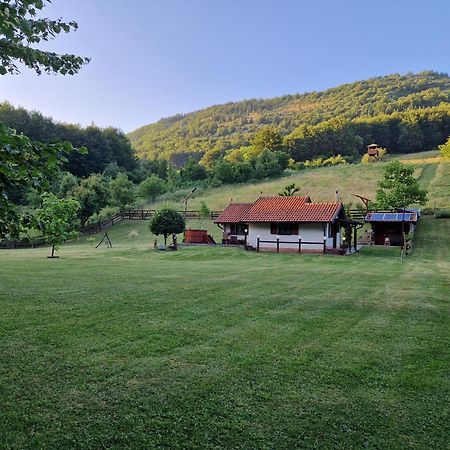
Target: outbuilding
<point x="388" y="227"/>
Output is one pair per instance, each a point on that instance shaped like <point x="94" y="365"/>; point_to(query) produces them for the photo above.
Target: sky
<point x="156" y="58"/>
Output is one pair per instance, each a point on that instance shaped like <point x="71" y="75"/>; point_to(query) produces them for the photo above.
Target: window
<point x="284" y="228"/>
<point x="237" y="228"/>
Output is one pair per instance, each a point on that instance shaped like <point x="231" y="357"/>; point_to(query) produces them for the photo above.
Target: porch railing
<point x="300" y="242"/>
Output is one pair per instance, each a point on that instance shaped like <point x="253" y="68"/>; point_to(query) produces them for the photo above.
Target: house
<point x="230" y="221"/>
<point x="388" y="227"/>
<point x="290" y="224"/>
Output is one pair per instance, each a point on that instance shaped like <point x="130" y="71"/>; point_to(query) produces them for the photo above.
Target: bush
<point x="321" y="162"/>
<point x="105" y="213"/>
<point x="443" y="214"/>
<point x="152" y="186"/>
<point x="445" y="149"/>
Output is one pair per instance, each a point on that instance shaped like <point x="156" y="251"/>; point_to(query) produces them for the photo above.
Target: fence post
<point x="257" y="244"/>
<point x="278" y="244"/>
<point x="299" y="244"/>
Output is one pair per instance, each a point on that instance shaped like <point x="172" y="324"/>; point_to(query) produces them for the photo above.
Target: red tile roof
<point x="291" y="209"/>
<point x="233" y="213"/>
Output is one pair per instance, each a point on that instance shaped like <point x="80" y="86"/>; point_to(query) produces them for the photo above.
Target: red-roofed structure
<point x="287" y="224"/>
<point x="233" y="213"/>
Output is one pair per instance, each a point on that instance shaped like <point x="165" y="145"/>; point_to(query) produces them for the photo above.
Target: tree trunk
<point x="53" y="250"/>
<point x="165" y="240"/>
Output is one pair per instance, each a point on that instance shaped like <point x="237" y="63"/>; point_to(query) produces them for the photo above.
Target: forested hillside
<point x="105" y="145"/>
<point x="377" y="101"/>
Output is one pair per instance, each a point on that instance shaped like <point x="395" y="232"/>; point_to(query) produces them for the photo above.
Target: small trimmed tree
<point x="58" y="220"/>
<point x="167" y="221"/>
<point x="398" y="188"/>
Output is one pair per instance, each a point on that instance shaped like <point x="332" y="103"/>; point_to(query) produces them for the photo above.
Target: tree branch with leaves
<point x="21" y="30"/>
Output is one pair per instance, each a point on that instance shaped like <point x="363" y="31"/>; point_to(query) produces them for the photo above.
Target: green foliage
<point x="267" y="138"/>
<point x="25" y="164"/>
<point x="92" y="194"/>
<point x="268" y="164"/>
<point x="445" y="149"/>
<point x="20" y="31"/>
<point x="57" y="219"/>
<point x="193" y="171"/>
<point x="122" y="191"/>
<point x="443" y="214"/>
<point x="366" y="109"/>
<point x="167" y="221"/>
<point x="226" y="171"/>
<point x="323" y="162"/>
<point x="204" y="210"/>
<point x="398" y="188"/>
<point x="66" y="183"/>
<point x="289" y="190"/>
<point x="105" y="145"/>
<point x="152" y="186"/>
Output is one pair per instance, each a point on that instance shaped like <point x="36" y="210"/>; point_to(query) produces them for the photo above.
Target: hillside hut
<point x="373" y="152"/>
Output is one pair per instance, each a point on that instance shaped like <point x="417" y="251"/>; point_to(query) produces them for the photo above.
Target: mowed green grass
<point x="221" y="348"/>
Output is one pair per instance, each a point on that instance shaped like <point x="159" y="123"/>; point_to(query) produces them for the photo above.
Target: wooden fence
<point x="140" y="214"/>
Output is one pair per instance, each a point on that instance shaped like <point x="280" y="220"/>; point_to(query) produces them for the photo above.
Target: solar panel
<point x="389" y="217"/>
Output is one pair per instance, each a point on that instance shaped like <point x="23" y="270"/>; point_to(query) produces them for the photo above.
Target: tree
<point x="167" y="221"/>
<point x="267" y="138"/>
<point x="193" y="171"/>
<point x="289" y="190"/>
<point x="267" y="164"/>
<point x="122" y="191"/>
<point x="398" y="188"/>
<point x="152" y="186"/>
<point x="66" y="183"/>
<point x="445" y="149"/>
<point x="92" y="195"/>
<point x="225" y="171"/>
<point x="21" y="30"/>
<point x="57" y="219"/>
<point x="25" y="163"/>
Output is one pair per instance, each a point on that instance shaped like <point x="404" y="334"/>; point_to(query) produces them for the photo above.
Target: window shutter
<point x="273" y="228"/>
<point x="294" y="229"/>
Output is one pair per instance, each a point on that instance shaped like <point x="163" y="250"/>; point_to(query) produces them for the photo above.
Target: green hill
<point x="231" y="125"/>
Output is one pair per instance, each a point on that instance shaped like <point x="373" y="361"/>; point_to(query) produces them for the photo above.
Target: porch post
<point x="299" y="244"/>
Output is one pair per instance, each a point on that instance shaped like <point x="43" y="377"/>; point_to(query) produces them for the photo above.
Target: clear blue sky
<point x="156" y="58"/>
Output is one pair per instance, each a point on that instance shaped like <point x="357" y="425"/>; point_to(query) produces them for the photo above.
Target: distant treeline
<point x="406" y="132"/>
<point x="105" y="145"/>
<point x="230" y="126"/>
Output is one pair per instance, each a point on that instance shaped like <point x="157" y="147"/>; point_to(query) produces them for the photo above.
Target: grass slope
<point x="220" y="348"/>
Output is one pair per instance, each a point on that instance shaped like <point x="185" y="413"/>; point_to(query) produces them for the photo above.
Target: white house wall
<point x="309" y="232"/>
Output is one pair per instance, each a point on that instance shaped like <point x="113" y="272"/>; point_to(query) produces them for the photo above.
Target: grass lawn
<point x="220" y="348"/>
